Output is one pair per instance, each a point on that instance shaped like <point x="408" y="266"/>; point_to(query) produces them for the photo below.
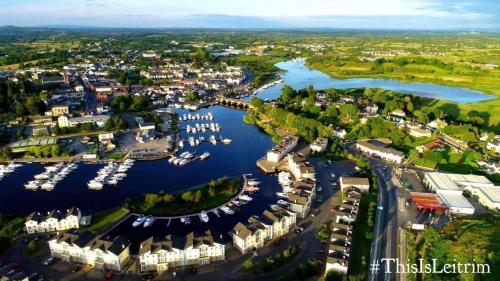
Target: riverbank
<point x="490" y="106"/>
<point x="191" y="200"/>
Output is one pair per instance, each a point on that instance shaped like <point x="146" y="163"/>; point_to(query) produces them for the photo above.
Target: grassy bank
<point x="463" y="240"/>
<point x="362" y="237"/>
<point x="103" y="220"/>
<point x="192" y="200"/>
<point x="272" y="263"/>
<point x="10" y="227"/>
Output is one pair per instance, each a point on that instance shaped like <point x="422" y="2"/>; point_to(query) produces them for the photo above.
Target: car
<point x="108" y="276"/>
<point x="48" y="261"/>
<point x="320" y="188"/>
<point x="320" y="251"/>
<point x="299" y="229"/>
<point x="191" y="270"/>
<point x="255" y="253"/>
<point x="315" y="213"/>
<point x="33" y="275"/>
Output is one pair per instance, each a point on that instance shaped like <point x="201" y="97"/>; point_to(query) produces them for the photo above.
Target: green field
<point x="103" y="220"/>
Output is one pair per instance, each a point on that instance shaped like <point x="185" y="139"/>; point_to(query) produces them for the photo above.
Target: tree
<point x="193" y="97"/>
<point x="187" y="196"/>
<point x="197" y="196"/>
<point x="257" y="102"/>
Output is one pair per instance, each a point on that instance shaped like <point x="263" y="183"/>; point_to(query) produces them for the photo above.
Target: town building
<point x="300" y="168"/>
<point x="59" y="110"/>
<point x="319" y="145"/>
<point x="86" y="248"/>
<point x="52" y="221"/>
<point x="278" y="151"/>
<point x="65" y="121"/>
<point x="450" y="187"/>
<point x="178" y="251"/>
<point x="494" y="145"/>
<point x="384" y="153"/>
<point x="256" y="232"/>
<point x="417" y="132"/>
<point x="348" y="184"/>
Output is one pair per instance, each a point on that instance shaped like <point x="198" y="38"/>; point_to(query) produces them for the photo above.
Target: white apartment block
<point x="319" y="145"/>
<point x="300" y="169"/>
<point x="276" y="153"/>
<point x="54" y="220"/>
<point x="387" y="154"/>
<point x="255" y="233"/>
<point x="174" y="251"/>
<point x="88" y="249"/>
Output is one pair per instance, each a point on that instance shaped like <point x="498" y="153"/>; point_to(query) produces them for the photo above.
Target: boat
<point x="205" y="155"/>
<point x="216" y="212"/>
<point x="227" y="210"/>
<point x="245" y="197"/>
<point x="33" y="185"/>
<point x="149" y="221"/>
<point x="275" y="207"/>
<point x="95" y="184"/>
<point x="251" y="189"/>
<point x="140" y="220"/>
<point x="281" y="194"/>
<point x="183" y="154"/>
<point x="204" y="216"/>
<point x="181" y="144"/>
<point x="171" y="160"/>
<point x="183" y="220"/>
<point x="188" y="220"/>
<point x="48" y="186"/>
<point x="183" y="162"/>
<point x="282" y="202"/>
<point x="253" y="182"/>
<point x="112" y="181"/>
<point x="226" y="141"/>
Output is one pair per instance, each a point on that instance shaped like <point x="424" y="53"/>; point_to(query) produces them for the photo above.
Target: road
<point x="387" y="225"/>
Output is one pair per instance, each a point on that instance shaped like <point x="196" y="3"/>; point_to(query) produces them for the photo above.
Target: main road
<point x="385" y="236"/>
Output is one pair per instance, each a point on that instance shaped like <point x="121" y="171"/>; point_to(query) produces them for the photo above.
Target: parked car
<point x="108" y="276"/>
<point x="315" y="213"/>
<point x="255" y="253"/>
<point x="48" y="261"/>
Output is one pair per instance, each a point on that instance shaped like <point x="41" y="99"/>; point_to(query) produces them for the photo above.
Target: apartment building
<point x="86" y="248"/>
<point x="384" y="153"/>
<point x="54" y="220"/>
<point x="256" y="232"/>
<point x="278" y="151"/>
<point x="177" y="251"/>
<point x="300" y="169"/>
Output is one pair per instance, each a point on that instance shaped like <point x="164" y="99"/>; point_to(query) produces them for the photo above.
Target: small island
<point x="193" y="200"/>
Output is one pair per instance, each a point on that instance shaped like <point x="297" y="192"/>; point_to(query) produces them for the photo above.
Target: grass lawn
<point x="102" y="220"/>
<point x="35" y="248"/>
<point x="361" y="239"/>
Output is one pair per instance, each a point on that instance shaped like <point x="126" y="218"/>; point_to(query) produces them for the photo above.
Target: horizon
<point x="260" y="14"/>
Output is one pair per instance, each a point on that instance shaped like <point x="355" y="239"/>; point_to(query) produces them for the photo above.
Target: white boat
<point x="171" y="160"/>
<point x="253" y="182"/>
<point x="275" y="207"/>
<point x="183" y="162"/>
<point x="205" y="155"/>
<point x="183" y="220"/>
<point x="227" y="210"/>
<point x="188" y="155"/>
<point x="48" y="186"/>
<point x="216" y="212"/>
<point x="203" y="216"/>
<point x="245" y="197"/>
<point x="181" y="144"/>
<point x="282" y="202"/>
<point x="149" y="221"/>
<point x="112" y="181"/>
<point x="177" y="161"/>
<point x="226" y="141"/>
<point x="33" y="185"/>
<point x="251" y="189"/>
<point x="95" y="184"/>
<point x="42" y="176"/>
<point x="281" y="194"/>
<point x="184" y="154"/>
<point x="140" y="220"/>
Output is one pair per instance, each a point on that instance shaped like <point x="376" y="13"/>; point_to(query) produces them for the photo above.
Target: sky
<point x="350" y="14"/>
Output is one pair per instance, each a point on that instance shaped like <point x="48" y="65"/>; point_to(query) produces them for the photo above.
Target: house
<point x="419" y="132"/>
<point x="387" y="154"/>
<point x="372" y="109"/>
<point x="256" y="232"/>
<point x="398" y="113"/>
<point x="494" y="146"/>
<point x="59" y="110"/>
<point x="250" y="236"/>
<point x="106" y="141"/>
<point x="361" y="185"/>
<point x="319" y="145"/>
<point x="177" y="251"/>
<point x="437" y="124"/>
<point x="65" y="121"/>
<point x="339" y="133"/>
<point x="86" y="248"/>
<point x="299" y="168"/>
<point x="54" y="220"/>
<point x="436" y="144"/>
<point x="278" y="151"/>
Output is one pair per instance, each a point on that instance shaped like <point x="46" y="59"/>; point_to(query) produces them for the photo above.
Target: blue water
<point x="239" y="157"/>
<point x="300" y="76"/>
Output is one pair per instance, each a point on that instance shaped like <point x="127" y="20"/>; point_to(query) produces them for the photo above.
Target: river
<point x="300" y="76"/>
